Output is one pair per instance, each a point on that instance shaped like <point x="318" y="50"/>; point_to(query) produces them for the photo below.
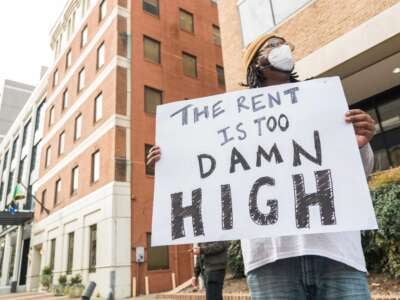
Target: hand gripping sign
<point x="263" y="162"/>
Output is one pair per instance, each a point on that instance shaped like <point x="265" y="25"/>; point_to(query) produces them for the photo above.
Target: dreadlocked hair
<point x="255" y="77"/>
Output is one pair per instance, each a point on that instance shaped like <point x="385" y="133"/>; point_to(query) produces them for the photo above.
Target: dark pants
<point x="214" y="283"/>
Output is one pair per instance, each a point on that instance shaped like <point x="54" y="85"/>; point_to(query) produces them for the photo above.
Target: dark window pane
<point x="186" y="21"/>
<point x="220" y="76"/>
<point x="5" y="161"/>
<point x="152" y="98"/>
<point x="92" y="249"/>
<point x="52" y="253"/>
<point x="390" y="114"/>
<point x="26" y="131"/>
<point x="216" y="35"/>
<point x="158" y="257"/>
<point x="39" y="115"/>
<point x="70" y="254"/>
<point x="149" y="168"/>
<point x="151" y="50"/>
<point x="14" y="149"/>
<point x="151" y="6"/>
<point x="189" y="65"/>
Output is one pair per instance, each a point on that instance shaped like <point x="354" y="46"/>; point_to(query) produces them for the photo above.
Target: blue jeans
<point x="307" y="277"/>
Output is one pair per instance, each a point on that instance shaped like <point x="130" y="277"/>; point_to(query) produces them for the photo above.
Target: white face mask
<point x="281" y="58"/>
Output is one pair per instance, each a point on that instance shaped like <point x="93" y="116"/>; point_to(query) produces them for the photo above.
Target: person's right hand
<point x="154" y="155"/>
<point x="195" y="282"/>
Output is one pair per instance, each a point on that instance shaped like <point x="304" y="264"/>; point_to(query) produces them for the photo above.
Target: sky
<point x="24" y="37"/>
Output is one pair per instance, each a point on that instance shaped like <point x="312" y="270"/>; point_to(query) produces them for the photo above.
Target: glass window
<point x="52" y="253"/>
<point x="84" y="36"/>
<point x="5" y="161"/>
<point x="81" y="79"/>
<point x="61" y="143"/>
<point x="10" y="182"/>
<point x="39" y="115"/>
<point x="43" y="200"/>
<point x="390" y="114"/>
<point x="1" y="192"/>
<point x="21" y="170"/>
<point x="25" y="133"/>
<point x="64" y="100"/>
<point x="284" y="8"/>
<point x="220" y="76"/>
<point x="149" y="168"/>
<point x="158" y="257"/>
<point x="14" y="149"/>
<point x="152" y="98"/>
<point x="96" y="166"/>
<point x="78" y="127"/>
<point x="70" y="254"/>
<point x="102" y="10"/>
<point x="92" y="248"/>
<point x="57" y="191"/>
<point x="186" y="20"/>
<point x="51" y="115"/>
<point x="34" y="157"/>
<point x="74" y="180"/>
<point x="100" y="55"/>
<point x="55" y="78"/>
<point x="48" y="157"/>
<point x="189" y="65"/>
<point x="216" y="35"/>
<point x="98" y="107"/>
<point x="151" y="6"/>
<point x="68" y="59"/>
<point x="151" y="50"/>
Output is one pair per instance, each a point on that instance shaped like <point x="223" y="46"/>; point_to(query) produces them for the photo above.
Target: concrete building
<point x="356" y="40"/>
<point x="19" y="165"/>
<point x="13" y="96"/>
<point x="115" y="61"/>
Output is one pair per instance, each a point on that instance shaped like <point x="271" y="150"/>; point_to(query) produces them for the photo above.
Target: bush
<point x="235" y="260"/>
<point x="46" y="277"/>
<point x="382" y="247"/>
<point x="62" y="280"/>
<point x="76" y="280"/>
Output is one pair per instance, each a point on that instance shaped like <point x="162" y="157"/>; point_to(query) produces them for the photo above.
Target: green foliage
<point x="76" y="280"/>
<point x="235" y="260"/>
<point x="62" y="280"/>
<point x="382" y="247"/>
<point x="45" y="277"/>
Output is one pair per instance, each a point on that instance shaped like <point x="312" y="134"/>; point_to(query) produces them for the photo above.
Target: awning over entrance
<point x="18" y="218"/>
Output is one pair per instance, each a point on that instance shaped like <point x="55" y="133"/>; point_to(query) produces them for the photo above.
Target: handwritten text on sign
<point x="262" y="162"/>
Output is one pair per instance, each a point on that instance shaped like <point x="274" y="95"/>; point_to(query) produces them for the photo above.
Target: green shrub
<point x="46" y="277"/>
<point x="235" y="260"/>
<point x="382" y="247"/>
<point x="62" y="280"/>
<point x="76" y="280"/>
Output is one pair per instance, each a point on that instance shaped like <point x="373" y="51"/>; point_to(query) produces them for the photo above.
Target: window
<point x="102" y="10"/>
<point x="70" y="252"/>
<point x="260" y="16"/>
<point x="189" y="65"/>
<point x="48" y="157"/>
<point x="98" y="107"/>
<point x="74" y="180"/>
<point x="2" y="246"/>
<point x="96" y="166"/>
<point x="186" y="20"/>
<point x="84" y="36"/>
<point x="43" y="201"/>
<point x="216" y="35"/>
<point x="61" y="143"/>
<point x="64" y="100"/>
<point x="151" y="50"/>
<point x="100" y="56"/>
<point x="21" y="170"/>
<point x="34" y="157"/>
<point x="158" y="257"/>
<point x="92" y="248"/>
<point x="10" y="182"/>
<point x="81" y="79"/>
<point x="55" y="78"/>
<point x="5" y="161"/>
<point x="220" y="76"/>
<point x="51" y="115"/>
<point x="14" y="149"/>
<point x="1" y="189"/>
<point x="57" y="191"/>
<point x="149" y="168"/>
<point x="52" y="254"/>
<point x="78" y="127"/>
<point x="152" y="7"/>
<point x="68" y="59"/>
<point x="25" y="133"/>
<point x="152" y="98"/>
<point x="38" y="115"/>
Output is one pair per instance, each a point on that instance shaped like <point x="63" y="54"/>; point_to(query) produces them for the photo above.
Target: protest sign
<point x="265" y="162"/>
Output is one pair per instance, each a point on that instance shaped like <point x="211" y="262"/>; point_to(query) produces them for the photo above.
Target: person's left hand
<point x="364" y="125"/>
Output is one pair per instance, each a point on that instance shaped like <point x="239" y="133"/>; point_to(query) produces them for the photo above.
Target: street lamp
<point x="19" y="194"/>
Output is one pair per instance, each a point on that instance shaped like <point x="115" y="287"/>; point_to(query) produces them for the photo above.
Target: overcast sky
<point x="24" y="37"/>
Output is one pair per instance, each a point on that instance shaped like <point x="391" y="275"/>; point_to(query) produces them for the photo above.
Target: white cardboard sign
<point x="264" y="162"/>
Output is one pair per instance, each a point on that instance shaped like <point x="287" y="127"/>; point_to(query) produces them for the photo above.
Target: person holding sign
<point x="314" y="266"/>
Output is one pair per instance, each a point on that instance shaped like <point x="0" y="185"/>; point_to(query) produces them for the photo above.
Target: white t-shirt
<point x="344" y="247"/>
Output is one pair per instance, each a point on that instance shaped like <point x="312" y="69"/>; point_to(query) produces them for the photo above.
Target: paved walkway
<point x="31" y="296"/>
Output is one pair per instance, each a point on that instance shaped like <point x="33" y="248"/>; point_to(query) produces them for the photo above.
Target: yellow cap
<point x="254" y="46"/>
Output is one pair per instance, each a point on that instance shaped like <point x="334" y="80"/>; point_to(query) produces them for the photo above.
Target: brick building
<point x="356" y="40"/>
<point x="115" y="61"/>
